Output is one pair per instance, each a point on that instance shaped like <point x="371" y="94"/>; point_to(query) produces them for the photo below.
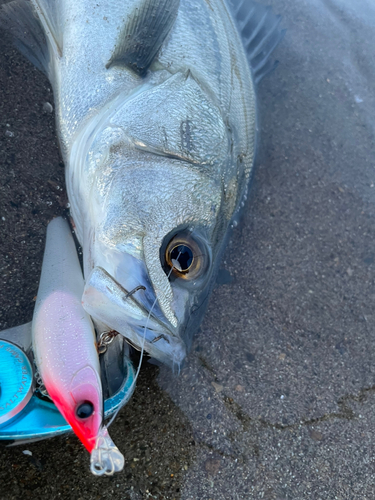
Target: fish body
<point x="156" y="117"/>
<point x="150" y="156"/>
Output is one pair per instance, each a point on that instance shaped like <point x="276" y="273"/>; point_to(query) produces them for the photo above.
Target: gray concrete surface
<point x="277" y="398"/>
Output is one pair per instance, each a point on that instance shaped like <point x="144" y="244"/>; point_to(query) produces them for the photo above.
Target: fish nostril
<point x="85" y="409"/>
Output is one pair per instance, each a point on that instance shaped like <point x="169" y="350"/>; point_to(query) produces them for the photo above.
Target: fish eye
<point x="182" y="257"/>
<point x="185" y="256"/>
<point x="85" y="409"/>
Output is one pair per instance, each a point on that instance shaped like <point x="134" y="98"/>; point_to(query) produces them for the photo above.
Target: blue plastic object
<point x="32" y="418"/>
<point x="16" y="380"/>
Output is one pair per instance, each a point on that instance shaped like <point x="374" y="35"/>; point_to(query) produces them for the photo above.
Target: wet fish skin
<point x="168" y="152"/>
<point x="151" y="152"/>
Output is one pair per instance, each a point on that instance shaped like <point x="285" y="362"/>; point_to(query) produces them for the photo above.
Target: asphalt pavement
<point x="277" y="398"/>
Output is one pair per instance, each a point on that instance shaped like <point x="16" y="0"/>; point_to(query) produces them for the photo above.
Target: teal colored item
<point x="23" y="414"/>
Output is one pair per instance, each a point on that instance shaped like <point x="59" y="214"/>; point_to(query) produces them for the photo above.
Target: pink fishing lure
<point x="65" y="351"/>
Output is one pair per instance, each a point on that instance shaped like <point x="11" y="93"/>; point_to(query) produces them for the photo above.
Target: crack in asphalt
<point x="345" y="412"/>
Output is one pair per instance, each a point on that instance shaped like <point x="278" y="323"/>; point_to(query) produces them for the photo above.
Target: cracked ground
<point x="277" y="398"/>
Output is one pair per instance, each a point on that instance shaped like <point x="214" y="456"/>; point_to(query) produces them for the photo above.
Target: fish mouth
<point x="130" y="314"/>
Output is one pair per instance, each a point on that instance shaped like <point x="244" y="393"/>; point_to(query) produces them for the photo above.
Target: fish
<point x="156" y="116"/>
<point x="65" y="350"/>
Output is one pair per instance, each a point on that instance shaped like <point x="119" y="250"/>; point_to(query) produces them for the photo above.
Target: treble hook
<point x="105" y="457"/>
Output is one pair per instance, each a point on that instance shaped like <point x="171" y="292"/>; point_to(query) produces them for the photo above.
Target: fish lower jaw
<point x="107" y="302"/>
<point x="160" y="344"/>
<point x="152" y="340"/>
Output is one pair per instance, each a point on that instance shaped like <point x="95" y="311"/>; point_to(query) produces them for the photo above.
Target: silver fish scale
<point x="82" y="82"/>
<point x="150" y="152"/>
<point x="110" y="118"/>
<point x="195" y="130"/>
<point x="216" y="57"/>
<point x="203" y="40"/>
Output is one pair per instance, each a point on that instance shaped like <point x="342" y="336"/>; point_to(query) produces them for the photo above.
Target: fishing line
<point x="142" y="350"/>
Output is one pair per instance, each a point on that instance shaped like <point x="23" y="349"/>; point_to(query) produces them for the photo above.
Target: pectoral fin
<point x="143" y="34"/>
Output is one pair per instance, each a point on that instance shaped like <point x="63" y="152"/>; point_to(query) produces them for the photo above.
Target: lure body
<point x="63" y="338"/>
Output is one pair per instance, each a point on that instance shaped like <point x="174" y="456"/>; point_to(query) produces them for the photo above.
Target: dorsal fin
<point x="33" y="27"/>
<point x="260" y="33"/>
<point x="143" y="34"/>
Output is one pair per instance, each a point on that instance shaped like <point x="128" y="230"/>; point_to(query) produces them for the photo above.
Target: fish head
<point x="159" y="225"/>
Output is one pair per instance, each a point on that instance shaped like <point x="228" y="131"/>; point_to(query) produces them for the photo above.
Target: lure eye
<point x="85" y="410"/>
<point x="185" y="257"/>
